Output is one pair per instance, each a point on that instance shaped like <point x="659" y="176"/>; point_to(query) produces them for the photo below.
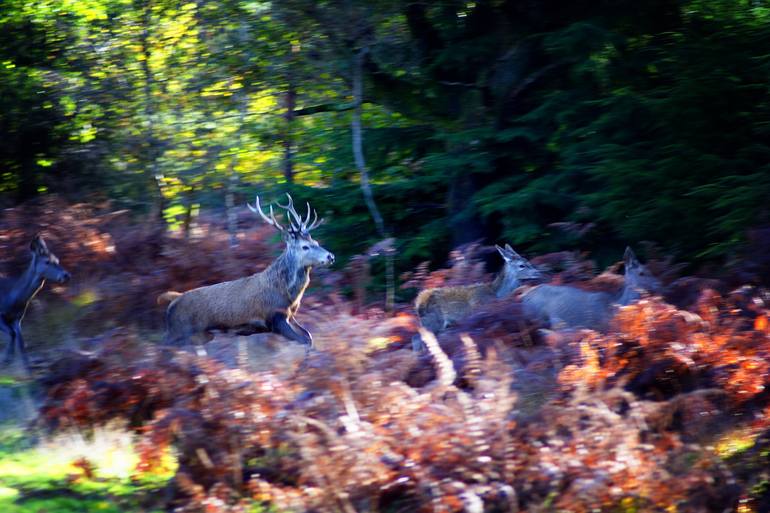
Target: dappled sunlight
<point x="101" y="468"/>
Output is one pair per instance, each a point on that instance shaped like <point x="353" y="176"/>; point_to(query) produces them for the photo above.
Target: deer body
<point x="441" y="307"/>
<point x="16" y="294"/>
<point x="562" y="306"/>
<point x="265" y="301"/>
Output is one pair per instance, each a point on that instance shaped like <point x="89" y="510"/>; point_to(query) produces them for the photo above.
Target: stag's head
<point x="299" y="244"/>
<point x="45" y="263"/>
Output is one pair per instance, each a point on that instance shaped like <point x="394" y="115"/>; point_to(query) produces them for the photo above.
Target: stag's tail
<point x="167" y="297"/>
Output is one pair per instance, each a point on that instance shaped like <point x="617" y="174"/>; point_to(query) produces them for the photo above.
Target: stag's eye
<point x="305" y="247"/>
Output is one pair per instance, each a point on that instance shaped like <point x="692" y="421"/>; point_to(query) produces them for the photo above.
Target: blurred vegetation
<point x="551" y="125"/>
<point x="667" y="412"/>
<point x="70" y="474"/>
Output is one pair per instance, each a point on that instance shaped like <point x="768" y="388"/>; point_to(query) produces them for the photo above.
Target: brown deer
<point x="265" y="301"/>
<point x="16" y="294"/>
<point x="440" y="307"/>
<point x="562" y="306"/>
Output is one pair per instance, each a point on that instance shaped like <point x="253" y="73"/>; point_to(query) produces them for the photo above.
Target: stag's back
<point x="230" y="303"/>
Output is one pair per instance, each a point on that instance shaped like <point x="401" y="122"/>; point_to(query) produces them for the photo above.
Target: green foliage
<point x="494" y="120"/>
<point x="34" y="479"/>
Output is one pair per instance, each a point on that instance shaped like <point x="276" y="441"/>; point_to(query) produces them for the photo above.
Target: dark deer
<point x="265" y="301"/>
<point x="16" y="293"/>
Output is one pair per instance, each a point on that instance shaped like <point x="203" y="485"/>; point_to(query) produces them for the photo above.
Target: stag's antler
<point x="269" y="220"/>
<point x="296" y="222"/>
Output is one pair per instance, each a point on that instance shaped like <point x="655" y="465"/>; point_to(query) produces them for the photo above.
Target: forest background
<point x="133" y="132"/>
<point x="550" y="125"/>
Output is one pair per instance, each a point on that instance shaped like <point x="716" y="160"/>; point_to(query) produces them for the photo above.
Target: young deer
<point x="16" y="293"/>
<point x="265" y="301"/>
<point x="562" y="306"/>
<point x="440" y="307"/>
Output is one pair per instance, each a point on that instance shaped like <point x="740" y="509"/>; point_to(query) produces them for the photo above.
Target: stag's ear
<point x="503" y="253"/>
<point x="38" y="245"/>
<point x="629" y="258"/>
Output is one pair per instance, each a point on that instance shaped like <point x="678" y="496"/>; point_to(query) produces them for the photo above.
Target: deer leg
<point x="302" y="330"/>
<point x="10" y="349"/>
<point x="418" y="346"/>
<point x="22" y="345"/>
<point x="280" y="325"/>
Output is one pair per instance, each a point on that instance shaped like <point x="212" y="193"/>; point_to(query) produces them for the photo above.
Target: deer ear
<point x="629" y="258"/>
<point x="503" y="253"/>
<point x="510" y="250"/>
<point x="38" y="245"/>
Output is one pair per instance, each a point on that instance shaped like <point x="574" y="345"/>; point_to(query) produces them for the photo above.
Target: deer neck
<point x="503" y="284"/>
<point x="627" y="295"/>
<point x="28" y="284"/>
<point x="294" y="277"/>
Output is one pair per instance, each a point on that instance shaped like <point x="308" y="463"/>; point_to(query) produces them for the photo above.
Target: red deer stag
<point x="265" y="301"/>
<point x="16" y="293"/>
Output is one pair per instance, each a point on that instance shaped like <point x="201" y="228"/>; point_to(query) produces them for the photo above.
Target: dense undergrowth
<point x="667" y="412"/>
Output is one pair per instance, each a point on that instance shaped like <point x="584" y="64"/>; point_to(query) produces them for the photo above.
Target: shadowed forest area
<point x="133" y="133"/>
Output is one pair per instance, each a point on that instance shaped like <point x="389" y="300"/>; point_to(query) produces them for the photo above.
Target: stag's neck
<point x="293" y="278"/>
<point x="504" y="284"/>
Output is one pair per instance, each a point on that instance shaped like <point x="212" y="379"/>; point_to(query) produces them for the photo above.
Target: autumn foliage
<point x="667" y="412"/>
<point x="621" y="422"/>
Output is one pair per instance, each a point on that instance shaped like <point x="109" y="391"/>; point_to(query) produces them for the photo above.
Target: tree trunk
<point x="288" y="136"/>
<point x="464" y="222"/>
<point x="151" y="169"/>
<point x="366" y="189"/>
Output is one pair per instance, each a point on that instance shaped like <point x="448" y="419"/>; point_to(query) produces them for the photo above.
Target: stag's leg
<point x="175" y="339"/>
<point x="279" y="324"/>
<point x="10" y="349"/>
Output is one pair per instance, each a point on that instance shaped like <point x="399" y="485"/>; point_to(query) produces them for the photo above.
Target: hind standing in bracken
<point x="265" y="301"/>
<point x="440" y="307"/>
<point x="562" y="306"/>
<point x="16" y="293"/>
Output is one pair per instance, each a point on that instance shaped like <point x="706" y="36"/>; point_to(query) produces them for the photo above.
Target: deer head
<point x="300" y="246"/>
<point x="45" y="263"/>
<point x="517" y="270"/>
<point x="637" y="276"/>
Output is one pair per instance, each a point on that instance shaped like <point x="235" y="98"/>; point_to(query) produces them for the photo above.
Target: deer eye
<point x="305" y="247"/>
